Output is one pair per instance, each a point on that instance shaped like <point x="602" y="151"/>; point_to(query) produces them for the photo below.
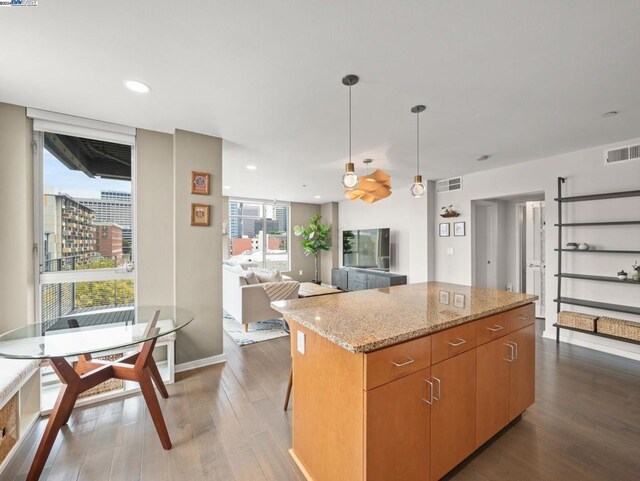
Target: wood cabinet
<point x="453" y="413"/>
<point x="414" y="410"/>
<point x="397" y="429"/>
<point x="492" y="401"/>
<point x="522" y="378"/>
<point x="506" y="381"/>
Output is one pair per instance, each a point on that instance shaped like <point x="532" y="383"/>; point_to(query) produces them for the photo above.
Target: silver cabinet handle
<point x="401" y="364"/>
<point x="512" y="358"/>
<point x="456" y="344"/>
<point x="516" y="346"/>
<point x="523" y="318"/>
<point x="437" y="398"/>
<point x="495" y="328"/>
<point x="430" y="400"/>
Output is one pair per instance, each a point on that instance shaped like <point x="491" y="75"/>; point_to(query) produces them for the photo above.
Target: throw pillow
<point x="252" y="278"/>
<point x="273" y="276"/>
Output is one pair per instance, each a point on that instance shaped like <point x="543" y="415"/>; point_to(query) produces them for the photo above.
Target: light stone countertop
<point x="364" y="321"/>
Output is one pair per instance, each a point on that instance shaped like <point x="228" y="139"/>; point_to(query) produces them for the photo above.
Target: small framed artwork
<point x="444" y="297"/>
<point x="458" y="300"/>
<point x="458" y="229"/>
<point x="200" y="214"/>
<point x="200" y="183"/>
<point x="444" y="229"/>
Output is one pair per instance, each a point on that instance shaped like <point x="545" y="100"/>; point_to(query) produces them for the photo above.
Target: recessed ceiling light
<point x="252" y="167"/>
<point x="137" y="86"/>
<point x="317" y="196"/>
<point x="613" y="113"/>
<point x="482" y="158"/>
<point x="226" y="187"/>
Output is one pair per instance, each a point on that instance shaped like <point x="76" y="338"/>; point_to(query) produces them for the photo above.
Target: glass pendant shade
<point x="417" y="189"/>
<point x="349" y="179"/>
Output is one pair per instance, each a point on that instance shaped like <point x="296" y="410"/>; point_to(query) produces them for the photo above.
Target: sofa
<point x="248" y="302"/>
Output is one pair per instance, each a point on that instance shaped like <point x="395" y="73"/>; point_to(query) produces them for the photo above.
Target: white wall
<point x="586" y="173"/>
<point x="406" y="217"/>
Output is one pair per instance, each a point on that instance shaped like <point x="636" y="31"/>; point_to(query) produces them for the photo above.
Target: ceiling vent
<point x="622" y="154"/>
<point x="448" y="185"/>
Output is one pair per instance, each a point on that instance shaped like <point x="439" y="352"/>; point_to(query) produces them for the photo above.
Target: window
<point x="84" y="221"/>
<point x="259" y="233"/>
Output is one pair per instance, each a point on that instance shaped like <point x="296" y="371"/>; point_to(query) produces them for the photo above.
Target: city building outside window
<point x="259" y="233"/>
<point x="84" y="227"/>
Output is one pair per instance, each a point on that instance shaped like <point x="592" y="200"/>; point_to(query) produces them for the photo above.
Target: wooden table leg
<point x="73" y="385"/>
<point x="157" y="378"/>
<point x="288" y="395"/>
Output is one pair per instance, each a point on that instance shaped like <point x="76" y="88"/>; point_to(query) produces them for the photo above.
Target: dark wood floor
<point x="227" y="424"/>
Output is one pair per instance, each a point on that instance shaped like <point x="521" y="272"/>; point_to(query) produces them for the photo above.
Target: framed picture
<point x="458" y="300"/>
<point x="458" y="229"/>
<point x="200" y="214"/>
<point x="444" y="229"/>
<point x="444" y="297"/>
<point x="200" y="183"/>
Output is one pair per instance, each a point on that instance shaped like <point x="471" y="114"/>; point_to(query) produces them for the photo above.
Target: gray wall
<point x="300" y="215"/>
<point x="17" y="286"/>
<point x="155" y="263"/>
<point x="330" y="259"/>
<point x="198" y="250"/>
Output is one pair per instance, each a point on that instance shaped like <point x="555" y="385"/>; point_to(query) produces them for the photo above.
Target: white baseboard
<point x="577" y="339"/>
<point x="207" y="361"/>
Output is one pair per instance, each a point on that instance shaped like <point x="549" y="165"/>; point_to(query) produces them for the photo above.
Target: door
<point x="397" y="431"/>
<point x="522" y="374"/>
<point x="453" y="413"/>
<point x="535" y="262"/>
<point x="485" y="226"/>
<point x="492" y="393"/>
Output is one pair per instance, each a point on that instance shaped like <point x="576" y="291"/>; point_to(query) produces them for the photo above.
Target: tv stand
<point x="356" y="279"/>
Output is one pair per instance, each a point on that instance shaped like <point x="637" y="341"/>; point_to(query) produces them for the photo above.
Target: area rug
<point x="258" y="331"/>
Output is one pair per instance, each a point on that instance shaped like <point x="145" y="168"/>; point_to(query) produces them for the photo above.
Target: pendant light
<point x="350" y="178"/>
<point x="417" y="189"/>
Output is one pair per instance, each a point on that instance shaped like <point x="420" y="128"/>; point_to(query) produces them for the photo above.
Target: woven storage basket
<point x="107" y="386"/>
<point x="8" y="426"/>
<point x="577" y="320"/>
<point x="619" y="328"/>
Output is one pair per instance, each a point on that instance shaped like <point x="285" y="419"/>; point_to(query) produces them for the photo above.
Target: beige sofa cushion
<point x="268" y="276"/>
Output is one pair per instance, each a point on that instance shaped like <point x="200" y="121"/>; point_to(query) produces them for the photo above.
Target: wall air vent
<point x="448" y="185"/>
<point x="622" y="154"/>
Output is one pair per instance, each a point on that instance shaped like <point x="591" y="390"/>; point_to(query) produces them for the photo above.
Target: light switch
<point x="300" y="271"/>
<point x="301" y="342"/>
<point x="449" y="251"/>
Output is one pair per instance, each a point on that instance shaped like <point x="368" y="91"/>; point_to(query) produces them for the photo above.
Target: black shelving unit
<point x="594" y="251"/>
<point x="566" y="275"/>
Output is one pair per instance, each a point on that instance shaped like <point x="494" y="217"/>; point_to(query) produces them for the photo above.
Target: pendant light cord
<point x="349" y="122"/>
<point x="418" y="143"/>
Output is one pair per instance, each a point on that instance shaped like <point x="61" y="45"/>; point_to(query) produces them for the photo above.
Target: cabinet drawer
<point x="492" y="327"/>
<point x="396" y="361"/>
<point x="453" y="341"/>
<point x="521" y="316"/>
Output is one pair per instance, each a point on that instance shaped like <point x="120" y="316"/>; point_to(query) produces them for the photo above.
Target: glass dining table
<point x="69" y="344"/>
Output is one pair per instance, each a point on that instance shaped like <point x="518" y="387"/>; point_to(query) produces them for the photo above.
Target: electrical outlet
<point x="509" y="287"/>
<point x="450" y="251"/>
<point x="301" y="342"/>
<point x="300" y="271"/>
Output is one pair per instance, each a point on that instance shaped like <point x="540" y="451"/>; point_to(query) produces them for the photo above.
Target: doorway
<point x="508" y="245"/>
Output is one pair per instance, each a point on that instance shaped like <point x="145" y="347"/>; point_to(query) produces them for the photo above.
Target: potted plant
<point x="315" y="238"/>
<point x="636" y="267"/>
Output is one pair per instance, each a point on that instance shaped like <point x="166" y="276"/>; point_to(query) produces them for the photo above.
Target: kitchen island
<point x="403" y="383"/>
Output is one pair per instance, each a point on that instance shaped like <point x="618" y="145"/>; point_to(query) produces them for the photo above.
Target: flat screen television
<point x="366" y="249"/>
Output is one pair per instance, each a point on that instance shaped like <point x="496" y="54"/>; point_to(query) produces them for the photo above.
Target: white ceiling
<point x="516" y="80"/>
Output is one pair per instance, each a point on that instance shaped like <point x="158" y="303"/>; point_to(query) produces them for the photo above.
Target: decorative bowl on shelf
<point x="571" y="246"/>
<point x="583" y="247"/>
